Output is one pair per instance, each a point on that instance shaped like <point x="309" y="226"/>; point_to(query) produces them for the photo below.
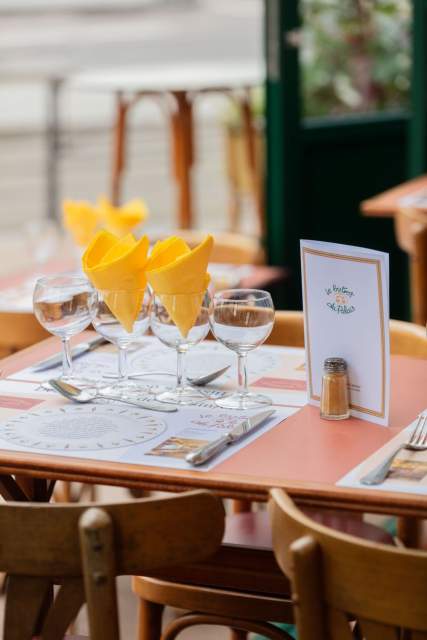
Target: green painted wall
<point x="318" y="172"/>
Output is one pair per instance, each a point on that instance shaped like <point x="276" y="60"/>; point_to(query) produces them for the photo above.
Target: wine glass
<point x="62" y="306"/>
<point x="163" y="326"/>
<point x="121" y="317"/>
<point x="241" y="320"/>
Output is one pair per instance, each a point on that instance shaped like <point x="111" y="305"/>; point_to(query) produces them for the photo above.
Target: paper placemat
<point x="408" y="473"/>
<point x="119" y="433"/>
<point x="277" y="371"/>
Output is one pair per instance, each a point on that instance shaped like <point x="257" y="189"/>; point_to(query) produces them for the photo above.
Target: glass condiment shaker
<point x="334" y="402"/>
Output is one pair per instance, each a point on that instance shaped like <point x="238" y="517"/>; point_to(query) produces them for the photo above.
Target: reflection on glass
<point x="242" y="319"/>
<point x="121" y="317"/>
<point x="181" y="308"/>
<point x="62" y="306"/>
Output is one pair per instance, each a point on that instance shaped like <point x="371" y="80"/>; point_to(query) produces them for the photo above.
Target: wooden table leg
<point x="183" y="156"/>
<point x="409" y="531"/>
<point x="119" y="149"/>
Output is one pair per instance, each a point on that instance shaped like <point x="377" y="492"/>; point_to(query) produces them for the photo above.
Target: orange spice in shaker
<point x="334" y="402"/>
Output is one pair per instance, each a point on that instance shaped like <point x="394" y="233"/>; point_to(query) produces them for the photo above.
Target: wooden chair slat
<point x="406" y="338"/>
<point x="25" y="597"/>
<point x="67" y="604"/>
<point x="139" y="544"/>
<point x="97" y="551"/>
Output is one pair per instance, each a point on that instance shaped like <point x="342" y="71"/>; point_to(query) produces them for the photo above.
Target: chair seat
<point x="246" y="558"/>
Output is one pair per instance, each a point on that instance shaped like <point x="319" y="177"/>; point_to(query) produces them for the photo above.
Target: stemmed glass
<point x="62" y="306"/>
<point x="164" y="327"/>
<point x="108" y="307"/>
<point x="241" y="320"/>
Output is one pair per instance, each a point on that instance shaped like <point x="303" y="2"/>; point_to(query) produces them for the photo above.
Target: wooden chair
<point x="411" y="234"/>
<point x="240" y="587"/>
<point x="336" y="577"/>
<point x="18" y="331"/>
<point x="232" y="248"/>
<point x="406" y="338"/>
<point x="83" y="550"/>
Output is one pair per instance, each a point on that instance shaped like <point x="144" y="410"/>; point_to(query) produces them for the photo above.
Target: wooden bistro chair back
<point x="229" y="248"/>
<point x="83" y="549"/>
<point x="411" y="235"/>
<point x="337" y="577"/>
<point x="406" y="338"/>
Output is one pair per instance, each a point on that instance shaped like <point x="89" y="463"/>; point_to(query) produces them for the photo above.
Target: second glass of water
<point x="241" y="320"/>
<point x="62" y="306"/>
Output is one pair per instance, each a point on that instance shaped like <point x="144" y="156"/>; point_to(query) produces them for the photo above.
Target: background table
<point x="304" y="455"/>
<point x="386" y="204"/>
<point x="177" y="87"/>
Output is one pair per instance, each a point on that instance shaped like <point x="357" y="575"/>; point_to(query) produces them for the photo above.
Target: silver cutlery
<point x="79" y="350"/>
<point x="198" y="381"/>
<point x="417" y="442"/>
<point x="88" y="395"/>
<point x="205" y="453"/>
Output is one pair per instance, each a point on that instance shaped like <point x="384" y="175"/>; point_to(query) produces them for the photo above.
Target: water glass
<point x="163" y="326"/>
<point x="241" y="320"/>
<point x="105" y="312"/>
<point x="62" y="306"/>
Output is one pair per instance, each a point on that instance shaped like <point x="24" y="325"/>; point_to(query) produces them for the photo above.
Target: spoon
<point x="199" y="381"/>
<point x="84" y="395"/>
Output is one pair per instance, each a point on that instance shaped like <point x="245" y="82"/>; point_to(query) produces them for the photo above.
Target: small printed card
<point x="408" y="473"/>
<point x="346" y="314"/>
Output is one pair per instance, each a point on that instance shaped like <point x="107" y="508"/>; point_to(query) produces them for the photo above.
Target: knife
<point x="245" y="427"/>
<point x="79" y="350"/>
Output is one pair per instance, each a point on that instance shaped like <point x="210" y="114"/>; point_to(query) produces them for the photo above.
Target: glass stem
<point x="242" y="374"/>
<point x="67" y="363"/>
<point x="180" y="369"/>
<point x="123" y="363"/>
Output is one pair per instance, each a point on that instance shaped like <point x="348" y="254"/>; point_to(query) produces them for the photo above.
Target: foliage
<point x="355" y="55"/>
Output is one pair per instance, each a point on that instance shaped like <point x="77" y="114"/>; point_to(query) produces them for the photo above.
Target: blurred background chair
<point x="337" y="578"/>
<point x="18" y="331"/>
<point x="411" y="234"/>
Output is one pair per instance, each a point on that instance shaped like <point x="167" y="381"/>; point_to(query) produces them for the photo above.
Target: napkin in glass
<point x="118" y="265"/>
<point x="178" y="275"/>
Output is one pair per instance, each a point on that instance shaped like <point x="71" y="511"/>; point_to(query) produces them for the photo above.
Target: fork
<point x="416" y="442"/>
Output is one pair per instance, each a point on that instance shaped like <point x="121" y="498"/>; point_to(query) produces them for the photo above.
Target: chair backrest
<point x="83" y="548"/>
<point x="337" y="577"/>
<point x="411" y="235"/>
<point x="229" y="248"/>
<point x="406" y="338"/>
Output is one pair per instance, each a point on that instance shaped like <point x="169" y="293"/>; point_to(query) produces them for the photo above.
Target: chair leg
<point x="149" y="620"/>
<point x="238" y="634"/>
<point x="253" y="626"/>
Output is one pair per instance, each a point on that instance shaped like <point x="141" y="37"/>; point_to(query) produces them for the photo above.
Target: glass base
<point x="184" y="395"/>
<point x="243" y="401"/>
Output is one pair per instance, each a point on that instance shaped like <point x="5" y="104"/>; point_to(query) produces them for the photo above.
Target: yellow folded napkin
<point x="81" y="219"/>
<point x="178" y="275"/>
<point x="121" y="220"/>
<point x="117" y="266"/>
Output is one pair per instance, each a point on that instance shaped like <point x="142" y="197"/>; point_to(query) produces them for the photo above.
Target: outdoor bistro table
<point x="303" y="455"/>
<point x="385" y="204"/>
<point x="177" y="86"/>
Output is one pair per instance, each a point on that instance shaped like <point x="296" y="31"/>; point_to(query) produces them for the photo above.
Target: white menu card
<point x="346" y="314"/>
